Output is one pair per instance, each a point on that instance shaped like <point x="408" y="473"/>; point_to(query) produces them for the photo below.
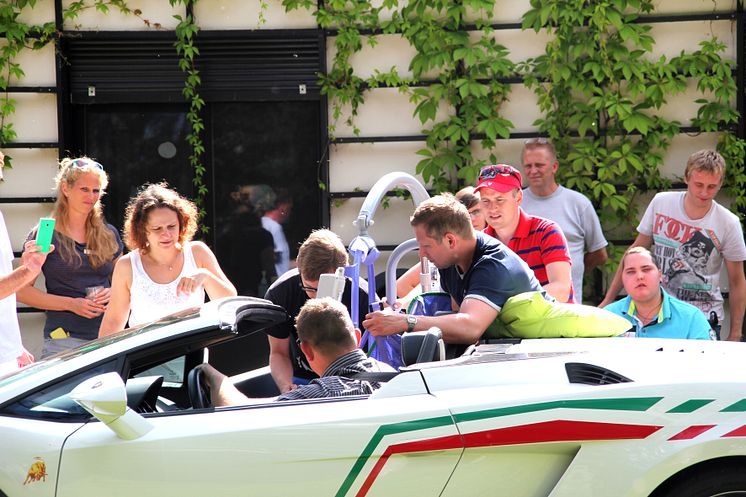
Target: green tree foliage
<point x="470" y="69"/>
<point x="599" y="87"/>
<point x="602" y="92"/>
<point x="186" y="30"/>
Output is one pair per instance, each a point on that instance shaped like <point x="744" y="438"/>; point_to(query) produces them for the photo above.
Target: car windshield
<point x="96" y="344"/>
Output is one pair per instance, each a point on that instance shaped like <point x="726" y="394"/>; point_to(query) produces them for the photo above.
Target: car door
<point x="358" y="446"/>
<point x="29" y="455"/>
<point x="33" y="429"/>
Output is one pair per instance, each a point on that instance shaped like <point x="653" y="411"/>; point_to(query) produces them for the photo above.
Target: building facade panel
<point x="344" y="169"/>
<point x="240" y="14"/>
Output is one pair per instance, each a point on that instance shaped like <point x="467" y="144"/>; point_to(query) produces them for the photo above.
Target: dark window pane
<point x="137" y="144"/>
<point x="262" y="143"/>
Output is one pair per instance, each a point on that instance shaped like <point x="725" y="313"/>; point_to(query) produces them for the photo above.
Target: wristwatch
<point x="411" y="322"/>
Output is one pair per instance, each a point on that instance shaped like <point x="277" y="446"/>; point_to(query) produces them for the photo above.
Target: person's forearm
<point x="463" y="327"/>
<point x="456" y="328"/>
<point x="217" y="287"/>
<point x="282" y="371"/>
<point x="737" y="303"/>
<point x="112" y="323"/>
<point x="228" y="395"/>
<point x="34" y="297"/>
<point x="560" y="290"/>
<point x="16" y="280"/>
<point x="615" y="286"/>
<point x="406" y="300"/>
<point x="408" y="281"/>
<point x="222" y="390"/>
<point x="594" y="259"/>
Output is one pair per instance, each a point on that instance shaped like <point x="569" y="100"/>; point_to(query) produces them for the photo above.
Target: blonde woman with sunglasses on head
<point x="86" y="248"/>
<point x="165" y="271"/>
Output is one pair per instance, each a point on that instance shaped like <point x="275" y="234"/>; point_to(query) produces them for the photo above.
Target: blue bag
<point x="429" y="304"/>
<point x="384" y="349"/>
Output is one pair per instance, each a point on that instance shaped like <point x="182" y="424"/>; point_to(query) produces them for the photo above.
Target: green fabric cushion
<point x="529" y="315"/>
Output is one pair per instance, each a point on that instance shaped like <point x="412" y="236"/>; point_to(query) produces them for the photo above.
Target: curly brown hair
<point x="155" y="196"/>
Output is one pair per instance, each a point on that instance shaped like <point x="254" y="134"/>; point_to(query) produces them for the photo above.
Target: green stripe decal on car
<point x="621" y="404"/>
<point x="382" y="431"/>
<point x="548" y="431"/>
<point x="691" y="405"/>
<point x="632" y="404"/>
<point x="739" y="406"/>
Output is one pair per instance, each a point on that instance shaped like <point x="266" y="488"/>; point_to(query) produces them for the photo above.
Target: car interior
<point x="164" y="383"/>
<point x="164" y="378"/>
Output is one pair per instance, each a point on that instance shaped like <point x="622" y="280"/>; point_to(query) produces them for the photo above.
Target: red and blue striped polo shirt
<point x="539" y="242"/>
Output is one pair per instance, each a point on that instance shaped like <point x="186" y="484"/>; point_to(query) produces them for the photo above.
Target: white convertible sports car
<point x="551" y="417"/>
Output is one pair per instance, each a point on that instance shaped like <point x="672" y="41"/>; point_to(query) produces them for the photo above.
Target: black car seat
<point x="422" y="346"/>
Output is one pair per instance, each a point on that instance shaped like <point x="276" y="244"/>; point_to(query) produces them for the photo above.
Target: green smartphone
<point x="44" y="234"/>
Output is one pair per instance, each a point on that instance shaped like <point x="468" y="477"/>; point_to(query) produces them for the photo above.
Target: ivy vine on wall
<point x="20" y="35"/>
<point x="601" y="92"/>
<point x="599" y="88"/>
<point x="187" y="50"/>
<point x="598" y="85"/>
<point x="470" y="77"/>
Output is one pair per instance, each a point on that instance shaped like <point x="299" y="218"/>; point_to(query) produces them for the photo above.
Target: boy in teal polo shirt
<point x="652" y="311"/>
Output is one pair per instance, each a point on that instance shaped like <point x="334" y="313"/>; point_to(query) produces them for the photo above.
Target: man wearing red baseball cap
<point x="536" y="240"/>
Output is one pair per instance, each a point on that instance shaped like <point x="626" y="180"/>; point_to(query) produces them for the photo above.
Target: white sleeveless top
<point x="150" y="300"/>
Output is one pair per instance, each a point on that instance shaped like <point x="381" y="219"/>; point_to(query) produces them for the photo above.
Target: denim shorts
<point x="55" y="345"/>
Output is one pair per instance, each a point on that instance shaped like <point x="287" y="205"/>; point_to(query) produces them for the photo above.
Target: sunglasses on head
<point x="491" y="172"/>
<point x="537" y="141"/>
<point x="84" y="163"/>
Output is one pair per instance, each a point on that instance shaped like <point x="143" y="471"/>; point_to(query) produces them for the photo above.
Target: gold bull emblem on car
<point x="37" y="471"/>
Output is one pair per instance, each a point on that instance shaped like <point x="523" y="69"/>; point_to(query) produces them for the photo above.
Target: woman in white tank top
<point x="164" y="272"/>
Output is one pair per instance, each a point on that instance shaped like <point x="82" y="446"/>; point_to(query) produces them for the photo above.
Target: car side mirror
<point x="105" y="397"/>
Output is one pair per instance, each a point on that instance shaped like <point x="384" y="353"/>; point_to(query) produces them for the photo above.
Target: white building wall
<point x="386" y="112"/>
<point x="35" y="120"/>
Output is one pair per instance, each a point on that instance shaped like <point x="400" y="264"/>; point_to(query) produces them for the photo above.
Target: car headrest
<point x="422" y="346"/>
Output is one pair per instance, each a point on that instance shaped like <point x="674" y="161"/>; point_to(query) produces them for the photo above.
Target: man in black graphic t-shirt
<point x="322" y="252"/>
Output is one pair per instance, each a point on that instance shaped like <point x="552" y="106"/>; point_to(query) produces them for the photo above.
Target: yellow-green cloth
<point x="529" y="315"/>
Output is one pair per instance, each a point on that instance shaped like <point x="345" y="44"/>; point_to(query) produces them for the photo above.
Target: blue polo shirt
<point x="676" y="319"/>
<point x="496" y="273"/>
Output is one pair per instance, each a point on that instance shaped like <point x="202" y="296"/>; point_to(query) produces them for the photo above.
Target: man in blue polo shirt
<point x="477" y="271"/>
<point x="652" y="311"/>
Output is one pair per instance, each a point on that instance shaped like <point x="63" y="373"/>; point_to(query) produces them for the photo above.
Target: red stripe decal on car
<point x="442" y="443"/>
<point x="738" y="432"/>
<point x="558" y="431"/>
<point x="617" y="404"/>
<point x="691" y="432"/>
<point x="549" y="431"/>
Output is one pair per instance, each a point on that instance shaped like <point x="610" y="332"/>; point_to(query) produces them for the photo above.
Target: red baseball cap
<point x="501" y="178"/>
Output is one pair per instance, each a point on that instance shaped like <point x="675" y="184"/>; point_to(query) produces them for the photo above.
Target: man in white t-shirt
<point x="272" y="221"/>
<point x="694" y="236"/>
<point x="12" y="353"/>
<point x="571" y="210"/>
